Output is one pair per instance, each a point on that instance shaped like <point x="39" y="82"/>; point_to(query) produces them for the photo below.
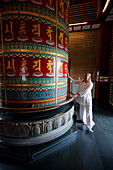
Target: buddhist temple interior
<point x="46" y="48"/>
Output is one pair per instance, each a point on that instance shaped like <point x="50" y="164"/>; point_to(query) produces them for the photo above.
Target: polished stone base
<point x="24" y="129"/>
<point x="34" y="152"/>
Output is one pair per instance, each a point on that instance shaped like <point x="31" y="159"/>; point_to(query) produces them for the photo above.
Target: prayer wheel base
<point x="34" y="152"/>
<point x="35" y="128"/>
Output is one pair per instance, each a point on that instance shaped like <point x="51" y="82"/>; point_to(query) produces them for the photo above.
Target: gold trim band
<point x="2" y="84"/>
<point x="56" y="73"/>
<point x="35" y="14"/>
<point x="3" y="58"/>
<point x="35" y="101"/>
<point x="34" y="51"/>
<point x="32" y="85"/>
<point x="42" y="108"/>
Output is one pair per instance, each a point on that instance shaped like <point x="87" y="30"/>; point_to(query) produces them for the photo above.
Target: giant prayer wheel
<point x="33" y="53"/>
<point x="33" y="72"/>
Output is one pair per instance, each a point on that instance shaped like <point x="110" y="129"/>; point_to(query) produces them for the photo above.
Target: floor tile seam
<point x="108" y="142"/>
<point x="99" y="152"/>
<point x="107" y="157"/>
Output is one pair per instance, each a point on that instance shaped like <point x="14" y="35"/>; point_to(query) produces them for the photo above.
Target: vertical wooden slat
<point x="83" y="53"/>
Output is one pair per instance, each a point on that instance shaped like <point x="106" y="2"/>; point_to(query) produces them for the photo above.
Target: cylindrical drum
<point x="33" y="53"/>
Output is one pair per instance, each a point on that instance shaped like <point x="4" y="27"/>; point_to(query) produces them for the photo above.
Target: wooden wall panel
<point x="111" y="71"/>
<point x="104" y="62"/>
<point x="83" y="53"/>
<point x="85" y="11"/>
<point x="111" y="59"/>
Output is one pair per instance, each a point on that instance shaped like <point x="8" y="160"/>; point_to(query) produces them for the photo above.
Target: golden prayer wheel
<point x="33" y="73"/>
<point x="33" y="53"/>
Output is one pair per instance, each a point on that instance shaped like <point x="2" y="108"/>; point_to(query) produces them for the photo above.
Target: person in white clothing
<point x="84" y="98"/>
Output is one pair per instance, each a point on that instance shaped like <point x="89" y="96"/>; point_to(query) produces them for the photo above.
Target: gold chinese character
<point x="11" y="28"/>
<point x="23" y="67"/>
<point x="68" y="3"/>
<point x="61" y="67"/>
<point x="49" y="65"/>
<point x="66" y="12"/>
<point x="11" y="65"/>
<point x="37" y="65"/>
<point x="66" y="42"/>
<point x="22" y="30"/>
<point x="61" y="37"/>
<point x="49" y="31"/>
<point x="50" y="2"/>
<point x="66" y="68"/>
<point x="62" y="6"/>
<point x="36" y="30"/>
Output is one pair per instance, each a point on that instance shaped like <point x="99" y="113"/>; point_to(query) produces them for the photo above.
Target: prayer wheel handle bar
<point x="45" y="107"/>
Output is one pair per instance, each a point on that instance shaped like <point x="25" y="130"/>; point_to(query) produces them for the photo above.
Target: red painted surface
<point x="33" y="67"/>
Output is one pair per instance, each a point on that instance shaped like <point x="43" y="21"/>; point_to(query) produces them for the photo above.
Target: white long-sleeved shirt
<point x="84" y="89"/>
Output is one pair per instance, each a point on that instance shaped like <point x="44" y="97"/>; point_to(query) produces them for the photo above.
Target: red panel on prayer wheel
<point x="33" y="52"/>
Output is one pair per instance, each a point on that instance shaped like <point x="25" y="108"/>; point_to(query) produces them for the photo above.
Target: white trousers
<point x="86" y="115"/>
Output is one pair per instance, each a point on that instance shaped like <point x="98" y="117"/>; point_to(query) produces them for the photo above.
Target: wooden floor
<point x="84" y="150"/>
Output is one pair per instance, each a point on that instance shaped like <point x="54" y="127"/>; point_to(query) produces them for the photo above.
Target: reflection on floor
<point x="82" y="150"/>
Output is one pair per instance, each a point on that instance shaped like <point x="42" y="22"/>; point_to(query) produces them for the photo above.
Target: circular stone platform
<point x="35" y="128"/>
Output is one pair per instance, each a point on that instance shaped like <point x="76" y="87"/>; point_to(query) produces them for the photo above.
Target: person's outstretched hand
<point x="77" y="94"/>
<point x="68" y="74"/>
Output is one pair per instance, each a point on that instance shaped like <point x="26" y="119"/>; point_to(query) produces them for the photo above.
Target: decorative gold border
<point x="32" y="85"/>
<point x="42" y="108"/>
<point x="35" y="14"/>
<point x="33" y="111"/>
<point x="38" y="51"/>
<point x="3" y="57"/>
<point x="110" y="94"/>
<point x="56" y="74"/>
<point x="2" y="84"/>
<point x="35" y="101"/>
<point x="34" y="51"/>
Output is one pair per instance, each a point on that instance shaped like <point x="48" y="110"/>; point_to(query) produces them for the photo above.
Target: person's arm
<point x="87" y="90"/>
<point x="73" y="80"/>
<point x="70" y="77"/>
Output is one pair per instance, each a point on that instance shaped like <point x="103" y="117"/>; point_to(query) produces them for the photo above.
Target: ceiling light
<point x="78" y="23"/>
<point x="105" y="7"/>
